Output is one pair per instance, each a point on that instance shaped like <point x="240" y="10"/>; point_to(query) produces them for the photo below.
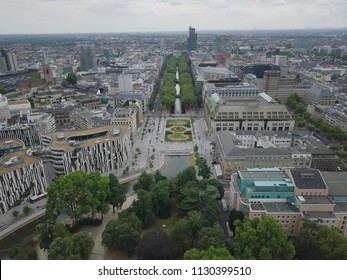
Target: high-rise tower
<point x="192" y="42"/>
<point x="88" y="57"/>
<point x="10" y="59"/>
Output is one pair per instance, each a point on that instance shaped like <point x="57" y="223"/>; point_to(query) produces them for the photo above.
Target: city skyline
<point x="94" y="16"/>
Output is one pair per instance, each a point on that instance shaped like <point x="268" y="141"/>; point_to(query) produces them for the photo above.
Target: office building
<point x="10" y="59"/>
<point x="320" y="95"/>
<point x="291" y="195"/>
<point x="192" y="42"/>
<point x="104" y="148"/>
<point x="20" y="173"/>
<point x="88" y="57"/>
<point x="260" y="113"/>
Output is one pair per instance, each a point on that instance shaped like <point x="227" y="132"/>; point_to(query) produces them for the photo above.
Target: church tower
<point x="47" y="73"/>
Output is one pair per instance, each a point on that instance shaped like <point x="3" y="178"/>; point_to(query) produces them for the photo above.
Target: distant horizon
<point x="183" y="31"/>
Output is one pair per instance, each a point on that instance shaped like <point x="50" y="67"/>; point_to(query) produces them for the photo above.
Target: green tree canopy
<point x="77" y="194"/>
<point x="235" y="215"/>
<point x="320" y="242"/>
<point x="76" y="247"/>
<point x="48" y="231"/>
<point x="186" y="231"/>
<point x="155" y="246"/>
<point x="145" y="181"/>
<point x="143" y="208"/>
<point x="121" y="235"/>
<point x="71" y="78"/>
<point x="161" y="199"/>
<point x="211" y="236"/>
<point x="262" y="239"/>
<point x="117" y="195"/>
<point x="212" y="253"/>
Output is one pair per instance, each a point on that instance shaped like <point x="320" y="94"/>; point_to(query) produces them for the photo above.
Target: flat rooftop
<point x="263" y="173"/>
<point x="10" y="143"/>
<point x="274" y="207"/>
<point x="18" y="102"/>
<point x="341" y="206"/>
<point x="314" y="200"/>
<point x="307" y="178"/>
<point x="22" y="154"/>
<point x="336" y="182"/>
<point x="320" y="215"/>
<point x="101" y="134"/>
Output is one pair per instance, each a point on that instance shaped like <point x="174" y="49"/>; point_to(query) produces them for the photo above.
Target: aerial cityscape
<point x="218" y="138"/>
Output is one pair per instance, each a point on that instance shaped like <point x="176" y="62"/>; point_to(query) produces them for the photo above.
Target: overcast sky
<point x="75" y="16"/>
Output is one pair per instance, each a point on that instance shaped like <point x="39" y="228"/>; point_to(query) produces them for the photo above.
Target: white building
<point x="20" y="173"/>
<point x="104" y="148"/>
<point x="125" y="82"/>
<point x="19" y="107"/>
<point x="44" y="122"/>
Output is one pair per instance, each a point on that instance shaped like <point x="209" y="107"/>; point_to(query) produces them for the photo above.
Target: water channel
<point x="175" y="164"/>
<point x="178" y="106"/>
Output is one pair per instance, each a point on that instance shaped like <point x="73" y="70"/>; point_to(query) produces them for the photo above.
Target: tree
<point x="26" y="209"/>
<point x="262" y="239"/>
<point x="117" y="193"/>
<point x="211" y="236"/>
<point x="161" y="199"/>
<point x="48" y="231"/>
<point x="71" y="78"/>
<point x="204" y="170"/>
<point x="211" y="212"/>
<point x="155" y="246"/>
<point x="143" y="208"/>
<point x="320" y="242"/>
<point x="76" y="247"/>
<point x="189" y="198"/>
<point x="24" y="251"/>
<point x="32" y="103"/>
<point x="15" y="214"/>
<point x="2" y="90"/>
<point x="145" y="182"/>
<point x="186" y="231"/>
<point x="212" y="253"/>
<point x="179" y="182"/>
<point x="218" y="185"/>
<point x="235" y="215"/>
<point x="158" y="176"/>
<point x="120" y="236"/>
<point x="77" y="194"/>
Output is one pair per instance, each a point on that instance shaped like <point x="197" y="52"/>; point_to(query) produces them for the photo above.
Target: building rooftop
<point x="314" y="200"/>
<point x="10" y="143"/>
<point x="307" y="178"/>
<point x="341" y="206"/>
<point x="275" y="207"/>
<point x="336" y="181"/>
<point x="91" y="136"/>
<point x="262" y="173"/>
<point x="18" y="102"/>
<point x="23" y="160"/>
<point x="320" y="215"/>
